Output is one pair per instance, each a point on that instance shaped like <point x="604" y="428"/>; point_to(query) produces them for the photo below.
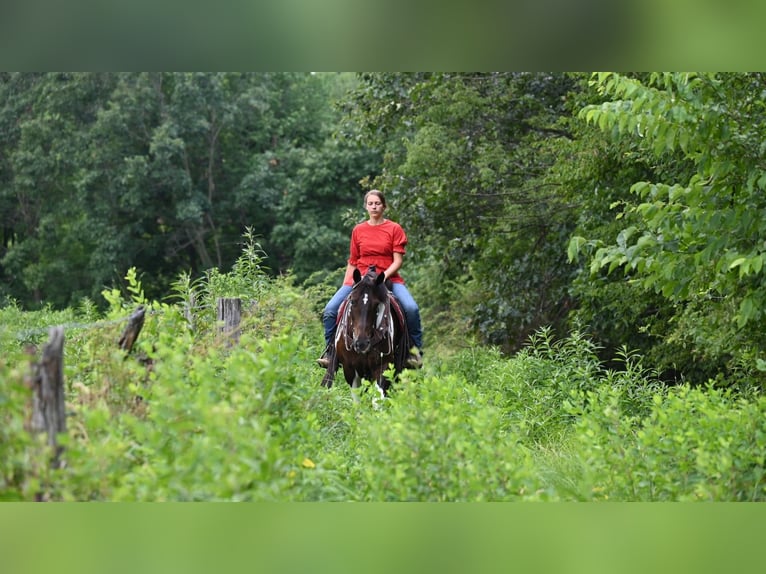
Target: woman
<point x="379" y="242"/>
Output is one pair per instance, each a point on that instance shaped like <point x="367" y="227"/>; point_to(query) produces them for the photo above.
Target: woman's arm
<point x="395" y="265"/>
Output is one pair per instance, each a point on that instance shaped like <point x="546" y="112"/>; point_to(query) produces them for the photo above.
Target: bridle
<point x="382" y="330"/>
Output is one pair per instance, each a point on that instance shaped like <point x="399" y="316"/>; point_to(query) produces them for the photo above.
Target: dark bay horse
<point x="371" y="334"/>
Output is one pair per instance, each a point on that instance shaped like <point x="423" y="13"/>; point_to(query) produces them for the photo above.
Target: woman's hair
<point x="378" y="193"/>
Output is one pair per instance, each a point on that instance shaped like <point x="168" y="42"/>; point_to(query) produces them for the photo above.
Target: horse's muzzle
<point x="362" y="345"/>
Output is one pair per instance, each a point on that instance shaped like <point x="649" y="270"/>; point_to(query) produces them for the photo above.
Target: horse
<point x="371" y="334"/>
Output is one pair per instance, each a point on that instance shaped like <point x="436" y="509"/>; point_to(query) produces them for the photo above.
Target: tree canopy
<point x="164" y="171"/>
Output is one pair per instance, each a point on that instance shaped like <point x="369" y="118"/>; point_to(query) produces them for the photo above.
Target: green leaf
<point x="757" y="263"/>
<point x="573" y="249"/>
<point x="640" y="188"/>
<point x="747" y="310"/>
<point x="737" y="262"/>
<point x="683" y="140"/>
<point x="602" y="121"/>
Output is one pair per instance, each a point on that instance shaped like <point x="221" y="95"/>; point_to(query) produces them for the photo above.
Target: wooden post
<point x="132" y="329"/>
<point x="189" y="310"/>
<point x="47" y="382"/>
<point x="229" y="317"/>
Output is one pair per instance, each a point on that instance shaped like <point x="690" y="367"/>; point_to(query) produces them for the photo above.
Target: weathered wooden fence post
<point x="189" y="309"/>
<point x="229" y="316"/>
<point x="132" y="329"/>
<point x="47" y="382"/>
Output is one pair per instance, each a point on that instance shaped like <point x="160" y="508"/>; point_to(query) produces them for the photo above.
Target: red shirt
<point x="376" y="245"/>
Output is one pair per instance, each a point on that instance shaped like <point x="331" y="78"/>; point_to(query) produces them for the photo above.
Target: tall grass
<point x="196" y="420"/>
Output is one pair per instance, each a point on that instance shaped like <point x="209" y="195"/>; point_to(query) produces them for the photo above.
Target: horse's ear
<point x="357" y="276"/>
<point x="380" y="278"/>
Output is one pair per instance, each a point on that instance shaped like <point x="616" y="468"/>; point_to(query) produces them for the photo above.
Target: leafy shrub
<point x="24" y="459"/>
<point x="438" y="440"/>
<point x="695" y="444"/>
<point x="187" y="417"/>
<point x="531" y="388"/>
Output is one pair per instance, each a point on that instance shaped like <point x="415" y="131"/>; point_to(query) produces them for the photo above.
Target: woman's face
<point x="374" y="205"/>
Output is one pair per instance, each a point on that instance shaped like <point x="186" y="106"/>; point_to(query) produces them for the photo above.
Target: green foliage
<point x="190" y="418"/>
<point x="19" y="328"/>
<point x="535" y="387"/>
<point x="696" y="241"/>
<point x="696" y="444"/>
<point x="101" y="172"/>
<point x="439" y="440"/>
<point x="24" y="459"/>
<point x="206" y="434"/>
<point x="247" y="278"/>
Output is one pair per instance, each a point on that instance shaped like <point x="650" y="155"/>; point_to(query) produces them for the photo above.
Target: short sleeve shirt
<point x="376" y="245"/>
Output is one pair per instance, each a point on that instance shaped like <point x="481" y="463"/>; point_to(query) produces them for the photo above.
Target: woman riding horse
<point x="377" y="242"/>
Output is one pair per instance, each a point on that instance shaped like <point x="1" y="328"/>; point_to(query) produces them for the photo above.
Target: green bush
<point x="438" y="439"/>
<point x="24" y="467"/>
<point x="186" y="416"/>
<point x="531" y="388"/>
<point x="695" y="444"/>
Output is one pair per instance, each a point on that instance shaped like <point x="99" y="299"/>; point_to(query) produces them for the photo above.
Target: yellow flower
<point x="308" y="463"/>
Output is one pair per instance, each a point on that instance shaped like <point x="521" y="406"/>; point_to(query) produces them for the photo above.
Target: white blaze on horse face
<point x="364" y="299"/>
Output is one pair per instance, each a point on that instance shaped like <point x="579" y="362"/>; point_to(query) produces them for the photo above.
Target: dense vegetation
<point x="200" y="421"/>
<point x="103" y="172"/>
<point x="587" y="250"/>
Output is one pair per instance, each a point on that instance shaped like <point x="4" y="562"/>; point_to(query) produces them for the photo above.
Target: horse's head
<point x="368" y="300"/>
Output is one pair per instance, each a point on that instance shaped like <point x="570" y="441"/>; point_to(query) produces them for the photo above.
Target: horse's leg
<point x="353" y="379"/>
<point x="356" y="384"/>
<point x="383" y="382"/>
<point x="381" y="385"/>
<point x="329" y="376"/>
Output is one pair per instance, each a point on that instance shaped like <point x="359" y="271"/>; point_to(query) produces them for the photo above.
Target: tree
<point x="42" y="119"/>
<point x="164" y="172"/>
<point x="697" y="241"/>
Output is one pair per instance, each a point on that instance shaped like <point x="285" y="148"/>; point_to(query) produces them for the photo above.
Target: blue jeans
<point x="400" y="291"/>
